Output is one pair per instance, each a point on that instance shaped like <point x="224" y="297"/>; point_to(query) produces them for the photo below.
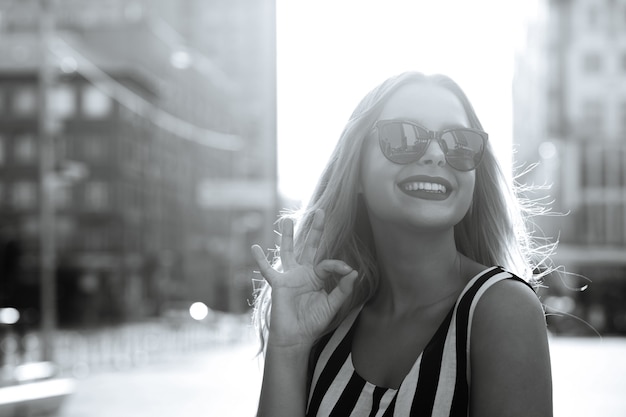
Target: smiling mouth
<point x="425" y="187"/>
<point x="429" y="187"/>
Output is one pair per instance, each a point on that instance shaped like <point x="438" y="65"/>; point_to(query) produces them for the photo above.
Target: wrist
<point x="289" y="349"/>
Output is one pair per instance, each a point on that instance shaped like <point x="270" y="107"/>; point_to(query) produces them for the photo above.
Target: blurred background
<point x="146" y="144"/>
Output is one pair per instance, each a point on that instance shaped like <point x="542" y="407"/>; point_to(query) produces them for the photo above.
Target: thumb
<point x="342" y="291"/>
<point x="328" y="267"/>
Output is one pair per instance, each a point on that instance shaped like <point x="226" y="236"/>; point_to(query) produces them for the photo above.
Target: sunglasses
<point x="403" y="142"/>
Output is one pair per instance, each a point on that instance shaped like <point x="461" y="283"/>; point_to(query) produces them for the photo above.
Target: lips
<point x="426" y="187"/>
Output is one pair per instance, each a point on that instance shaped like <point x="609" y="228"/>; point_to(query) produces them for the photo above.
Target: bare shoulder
<point x="506" y="300"/>
<point x="508" y="318"/>
<point x="510" y="358"/>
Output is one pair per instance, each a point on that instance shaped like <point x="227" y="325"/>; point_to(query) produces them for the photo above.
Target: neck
<point x="418" y="268"/>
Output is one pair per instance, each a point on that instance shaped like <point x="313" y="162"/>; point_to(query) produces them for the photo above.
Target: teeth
<point x="425" y="186"/>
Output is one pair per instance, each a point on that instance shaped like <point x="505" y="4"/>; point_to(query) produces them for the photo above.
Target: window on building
<point x="592" y="63"/>
<point x="593" y="118"/>
<point x="592" y="165"/>
<point x="3" y="142"/>
<point x="62" y="101"/>
<point x="613" y="167"/>
<point x="62" y="197"/>
<point x="95" y="104"/>
<point x="96" y="195"/>
<point x="132" y="239"/>
<point x="24" y="101"/>
<point x="622" y="120"/>
<point x="94" y="239"/>
<point x="24" y="194"/>
<point x="595" y="221"/>
<point x="30" y="226"/>
<point x="615" y="224"/>
<point x="133" y="154"/>
<point x="24" y="148"/>
<point x="93" y="147"/>
<point x="2" y="99"/>
<point x="64" y="228"/>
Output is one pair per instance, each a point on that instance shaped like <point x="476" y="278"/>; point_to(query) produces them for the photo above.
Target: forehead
<point x="430" y="105"/>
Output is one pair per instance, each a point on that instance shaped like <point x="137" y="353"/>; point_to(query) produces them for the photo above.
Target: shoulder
<point x="509" y="350"/>
<point x="507" y="298"/>
<point x="508" y="311"/>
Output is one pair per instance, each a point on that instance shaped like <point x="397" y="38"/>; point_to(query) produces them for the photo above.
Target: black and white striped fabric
<point x="437" y="384"/>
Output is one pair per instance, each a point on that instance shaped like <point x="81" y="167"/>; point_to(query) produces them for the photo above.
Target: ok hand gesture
<point x="301" y="308"/>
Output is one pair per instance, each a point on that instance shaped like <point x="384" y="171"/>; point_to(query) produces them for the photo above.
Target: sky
<point x="330" y="53"/>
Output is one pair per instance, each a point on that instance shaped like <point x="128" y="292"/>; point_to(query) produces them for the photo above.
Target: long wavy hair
<point x="495" y="231"/>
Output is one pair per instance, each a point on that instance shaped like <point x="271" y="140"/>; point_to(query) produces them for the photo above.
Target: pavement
<point x="222" y="381"/>
<point x="589" y="376"/>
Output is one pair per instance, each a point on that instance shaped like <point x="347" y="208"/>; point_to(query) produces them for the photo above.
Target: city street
<point x="589" y="380"/>
<point x="145" y="145"/>
<point x="223" y="381"/>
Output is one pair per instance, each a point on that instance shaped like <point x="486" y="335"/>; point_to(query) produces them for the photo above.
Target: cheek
<point x="467" y="186"/>
<point x="376" y="179"/>
<point x="367" y="166"/>
<point x="375" y="170"/>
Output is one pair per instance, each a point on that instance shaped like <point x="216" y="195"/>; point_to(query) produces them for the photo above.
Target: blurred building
<point x="162" y="119"/>
<point x="570" y="116"/>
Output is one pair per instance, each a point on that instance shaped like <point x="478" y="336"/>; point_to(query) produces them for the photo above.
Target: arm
<point x="301" y="311"/>
<point x="283" y="391"/>
<point x="510" y="359"/>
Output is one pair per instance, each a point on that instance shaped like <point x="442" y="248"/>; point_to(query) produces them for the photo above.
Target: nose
<point x="433" y="155"/>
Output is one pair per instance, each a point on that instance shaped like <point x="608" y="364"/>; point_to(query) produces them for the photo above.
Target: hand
<point x="301" y="308"/>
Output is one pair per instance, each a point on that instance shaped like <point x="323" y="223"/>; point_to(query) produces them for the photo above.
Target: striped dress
<point x="436" y="385"/>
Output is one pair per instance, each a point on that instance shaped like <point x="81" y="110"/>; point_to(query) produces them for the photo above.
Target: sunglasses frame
<point x="432" y="135"/>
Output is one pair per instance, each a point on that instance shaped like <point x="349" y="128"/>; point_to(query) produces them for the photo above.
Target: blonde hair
<point x="495" y="231"/>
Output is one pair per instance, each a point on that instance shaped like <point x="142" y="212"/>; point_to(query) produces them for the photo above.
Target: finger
<point x="265" y="268"/>
<point x="287" y="257"/>
<point x="331" y="266"/>
<point x="313" y="238"/>
<point x="342" y="291"/>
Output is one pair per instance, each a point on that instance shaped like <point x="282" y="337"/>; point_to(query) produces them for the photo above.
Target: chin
<point x="439" y="221"/>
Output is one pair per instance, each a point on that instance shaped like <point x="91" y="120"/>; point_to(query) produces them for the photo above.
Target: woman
<point x="388" y="300"/>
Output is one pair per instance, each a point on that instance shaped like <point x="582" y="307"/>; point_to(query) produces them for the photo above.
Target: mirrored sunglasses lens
<point x="464" y="148"/>
<point x="402" y="142"/>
